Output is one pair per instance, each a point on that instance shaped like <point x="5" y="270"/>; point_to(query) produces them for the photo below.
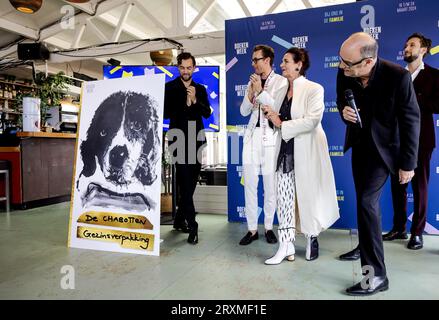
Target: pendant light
<point x="27" y="6"/>
<point x="162" y="57"/>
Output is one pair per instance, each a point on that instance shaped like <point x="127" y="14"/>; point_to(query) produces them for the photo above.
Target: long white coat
<point x="315" y="185"/>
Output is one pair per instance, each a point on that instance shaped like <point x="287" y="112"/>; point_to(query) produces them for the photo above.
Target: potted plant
<point x="50" y="89"/>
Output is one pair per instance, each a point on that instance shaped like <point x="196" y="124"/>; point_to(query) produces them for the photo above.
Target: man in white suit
<point x="259" y="156"/>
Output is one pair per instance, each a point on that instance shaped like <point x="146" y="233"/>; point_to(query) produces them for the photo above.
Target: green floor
<point x="33" y="249"/>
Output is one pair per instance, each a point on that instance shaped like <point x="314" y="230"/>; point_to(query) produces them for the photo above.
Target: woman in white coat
<point x="306" y="194"/>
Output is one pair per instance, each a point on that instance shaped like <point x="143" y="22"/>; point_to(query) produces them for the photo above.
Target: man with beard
<point x="426" y="83"/>
<point x="186" y="102"/>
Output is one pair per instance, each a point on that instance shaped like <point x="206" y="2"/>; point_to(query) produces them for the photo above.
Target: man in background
<point x="426" y="83"/>
<point x="186" y="103"/>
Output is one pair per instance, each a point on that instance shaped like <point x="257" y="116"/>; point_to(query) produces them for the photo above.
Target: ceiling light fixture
<point x="27" y="6"/>
<point x="162" y="57"/>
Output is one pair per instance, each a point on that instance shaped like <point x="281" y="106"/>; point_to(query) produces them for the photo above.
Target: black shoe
<point x="248" y="238"/>
<point x="193" y="235"/>
<point x="393" y="235"/>
<point x="271" y="238"/>
<point x="312" y="248"/>
<point x="415" y="242"/>
<point x="351" y="255"/>
<point x="375" y="285"/>
<point x="181" y="226"/>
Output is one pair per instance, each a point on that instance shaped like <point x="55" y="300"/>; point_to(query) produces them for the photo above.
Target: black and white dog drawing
<point x="120" y="153"/>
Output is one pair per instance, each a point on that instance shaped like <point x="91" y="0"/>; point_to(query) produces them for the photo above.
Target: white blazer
<point x="272" y="96"/>
<point x="315" y="184"/>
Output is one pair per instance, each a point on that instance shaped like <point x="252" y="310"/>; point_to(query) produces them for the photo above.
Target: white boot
<point x="286" y="250"/>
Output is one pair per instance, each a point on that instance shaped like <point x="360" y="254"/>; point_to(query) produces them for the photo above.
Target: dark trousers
<point x="187" y="177"/>
<point x="370" y="174"/>
<point x="420" y="196"/>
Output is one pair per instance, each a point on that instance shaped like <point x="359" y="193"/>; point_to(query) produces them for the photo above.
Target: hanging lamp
<point x="27" y="6"/>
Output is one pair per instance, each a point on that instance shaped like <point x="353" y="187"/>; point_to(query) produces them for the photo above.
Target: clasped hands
<point x="191" y="99"/>
<point x="255" y="86"/>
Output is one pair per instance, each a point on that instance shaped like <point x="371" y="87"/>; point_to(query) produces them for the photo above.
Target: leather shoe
<point x="415" y="242"/>
<point x="375" y="285"/>
<point x="393" y="235"/>
<point x="248" y="238"/>
<point x="193" y="235"/>
<point x="351" y="255"/>
<point x="271" y="238"/>
<point x="312" y="248"/>
<point x="181" y="226"/>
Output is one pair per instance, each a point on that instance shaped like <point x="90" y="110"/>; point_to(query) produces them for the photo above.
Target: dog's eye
<point x="103" y="133"/>
<point x="136" y="125"/>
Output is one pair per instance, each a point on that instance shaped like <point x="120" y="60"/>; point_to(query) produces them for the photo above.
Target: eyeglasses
<point x="351" y="64"/>
<point x="255" y="60"/>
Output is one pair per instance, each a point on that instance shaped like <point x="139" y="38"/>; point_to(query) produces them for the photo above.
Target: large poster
<point x="116" y="189"/>
<point x="321" y="31"/>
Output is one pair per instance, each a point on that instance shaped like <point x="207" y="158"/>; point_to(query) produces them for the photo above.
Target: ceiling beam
<point x="150" y="16"/>
<point x="121" y="22"/>
<point x="179" y="17"/>
<point x="201" y="14"/>
<point x="307" y="4"/>
<point x="82" y="17"/>
<point x="18" y="29"/>
<point x="97" y="31"/>
<point x="211" y="43"/>
<point x="113" y="21"/>
<point x="244" y="8"/>
<point x="78" y="35"/>
<point x="274" y="6"/>
<point x="88" y="7"/>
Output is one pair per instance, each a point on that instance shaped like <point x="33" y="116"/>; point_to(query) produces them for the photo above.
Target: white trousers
<point x="256" y="160"/>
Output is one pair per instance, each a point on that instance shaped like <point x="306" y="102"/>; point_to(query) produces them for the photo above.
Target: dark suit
<point x="387" y="142"/>
<point x="426" y="86"/>
<point x="182" y="116"/>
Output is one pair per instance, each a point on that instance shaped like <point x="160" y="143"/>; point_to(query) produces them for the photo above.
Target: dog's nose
<point x="118" y="156"/>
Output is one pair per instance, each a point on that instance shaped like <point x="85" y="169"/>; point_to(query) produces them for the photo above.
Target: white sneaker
<point x="286" y="250"/>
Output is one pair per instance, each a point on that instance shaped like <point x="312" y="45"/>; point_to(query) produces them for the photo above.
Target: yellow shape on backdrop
<point x="434" y="50"/>
<point x="166" y="72"/>
<point x="115" y="69"/>
<point x="127" y="74"/>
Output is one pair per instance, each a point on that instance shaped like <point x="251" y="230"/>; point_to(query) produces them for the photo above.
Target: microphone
<point x="349" y="95"/>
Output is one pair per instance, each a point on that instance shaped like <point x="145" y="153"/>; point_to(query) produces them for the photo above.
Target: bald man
<point x="385" y="142"/>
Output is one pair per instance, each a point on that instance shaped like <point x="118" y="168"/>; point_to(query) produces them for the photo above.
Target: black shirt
<point x="180" y="115"/>
<point x="285" y="159"/>
<point x="258" y="124"/>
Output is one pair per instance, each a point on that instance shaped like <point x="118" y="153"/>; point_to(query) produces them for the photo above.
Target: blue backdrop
<point x="208" y="76"/>
<point x="322" y="31"/>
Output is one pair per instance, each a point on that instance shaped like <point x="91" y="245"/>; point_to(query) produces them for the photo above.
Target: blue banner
<point x="321" y="31"/>
<point x="208" y="76"/>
